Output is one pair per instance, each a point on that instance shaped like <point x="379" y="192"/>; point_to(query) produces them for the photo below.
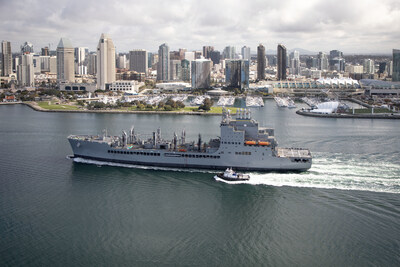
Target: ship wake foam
<point x="329" y="171"/>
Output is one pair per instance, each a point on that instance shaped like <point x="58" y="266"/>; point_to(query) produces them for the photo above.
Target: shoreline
<point x="389" y="116"/>
<point x="36" y="107"/>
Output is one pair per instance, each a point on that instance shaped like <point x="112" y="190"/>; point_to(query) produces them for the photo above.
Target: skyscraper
<point x="6" y="58"/>
<point x="92" y="64"/>
<point x="65" y="61"/>
<point x="185" y="66"/>
<point x="246" y="53"/>
<point x="261" y="62"/>
<point x="80" y="60"/>
<point x="175" y="70"/>
<point x="201" y="73"/>
<point x="336" y="60"/>
<point x="138" y="60"/>
<point x="27" y="47"/>
<point x="207" y="50"/>
<point x="369" y="66"/>
<point x="322" y="61"/>
<point x="229" y="52"/>
<point x="45" y="51"/>
<point x="25" y="70"/>
<point x="282" y="59"/>
<point x="295" y="62"/>
<point x="105" y="62"/>
<point x="215" y="57"/>
<point x="237" y="73"/>
<point x="396" y="65"/>
<point x="163" y="63"/>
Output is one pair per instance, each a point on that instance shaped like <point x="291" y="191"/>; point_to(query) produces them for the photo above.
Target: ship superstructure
<point x="242" y="145"/>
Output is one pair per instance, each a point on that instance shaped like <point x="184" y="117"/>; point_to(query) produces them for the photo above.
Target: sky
<point x="352" y="26"/>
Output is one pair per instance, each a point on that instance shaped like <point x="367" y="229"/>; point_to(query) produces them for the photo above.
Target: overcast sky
<point x="352" y="26"/>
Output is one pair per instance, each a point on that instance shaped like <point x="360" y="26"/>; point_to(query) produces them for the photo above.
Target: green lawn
<point x="369" y="110"/>
<point x="213" y="109"/>
<point x="53" y="106"/>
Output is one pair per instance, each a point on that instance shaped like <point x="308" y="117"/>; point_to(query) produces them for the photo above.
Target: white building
<point x="138" y="60"/>
<point x="65" y="61"/>
<point x="105" y="62"/>
<point x="129" y="87"/>
<point x="246" y="53"/>
<point x="369" y="66"/>
<point x="189" y="56"/>
<point x="25" y="72"/>
<point x="80" y="60"/>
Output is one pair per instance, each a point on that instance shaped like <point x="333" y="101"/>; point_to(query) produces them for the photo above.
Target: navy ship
<point x="242" y="145"/>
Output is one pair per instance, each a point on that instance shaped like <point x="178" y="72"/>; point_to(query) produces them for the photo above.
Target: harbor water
<point x="54" y="211"/>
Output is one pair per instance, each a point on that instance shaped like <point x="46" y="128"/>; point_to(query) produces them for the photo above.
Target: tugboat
<point x="230" y="175"/>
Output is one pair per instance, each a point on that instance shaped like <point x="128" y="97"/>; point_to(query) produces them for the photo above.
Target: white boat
<point x="231" y="175"/>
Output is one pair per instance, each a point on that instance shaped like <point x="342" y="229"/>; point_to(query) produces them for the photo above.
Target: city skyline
<point x="314" y="25"/>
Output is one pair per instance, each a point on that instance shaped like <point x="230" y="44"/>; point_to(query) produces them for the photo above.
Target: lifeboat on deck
<point x="250" y="143"/>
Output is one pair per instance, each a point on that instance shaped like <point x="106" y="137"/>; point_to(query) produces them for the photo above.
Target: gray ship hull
<point x="258" y="159"/>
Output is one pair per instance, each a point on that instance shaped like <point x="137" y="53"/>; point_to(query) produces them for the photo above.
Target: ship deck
<point x="293" y="153"/>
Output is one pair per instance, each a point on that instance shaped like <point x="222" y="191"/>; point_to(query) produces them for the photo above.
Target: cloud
<point x="362" y="26"/>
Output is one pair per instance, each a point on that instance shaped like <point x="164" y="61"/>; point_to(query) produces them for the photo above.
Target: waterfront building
<point x="27" y="47"/>
<point x="396" y="65"/>
<point x="6" y="58"/>
<point x="261" y="62"/>
<point x="138" y="60"/>
<point x="246" y="53"/>
<point x="163" y="63"/>
<point x="105" y="62"/>
<point x="201" y="73"/>
<point x="215" y="57"/>
<point x="78" y="87"/>
<point x="129" y="87"/>
<point x="65" y="61"/>
<point x="207" y="50"/>
<point x="237" y="73"/>
<point x="25" y="71"/>
<point x="282" y="60"/>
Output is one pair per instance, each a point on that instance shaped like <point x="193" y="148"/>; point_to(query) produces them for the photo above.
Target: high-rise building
<point x="369" y="66"/>
<point x="229" y="52"/>
<point x="246" y="53"/>
<point x="396" y="65"/>
<point x="150" y="58"/>
<point x="175" y="70"/>
<point x="92" y="64"/>
<point x="25" y="71"/>
<point x="294" y="62"/>
<point x="185" y="65"/>
<point x="121" y="61"/>
<point x="6" y="58"/>
<point x="80" y="60"/>
<point x="53" y="65"/>
<point x="105" y="62"/>
<point x="282" y="59"/>
<point x="261" y="62"/>
<point x="382" y="67"/>
<point x="336" y="60"/>
<point x="201" y="73"/>
<point x="189" y="56"/>
<point x="322" y="61"/>
<point x="207" y="50"/>
<point x="138" y="60"/>
<point x="237" y="73"/>
<point x="27" y="47"/>
<point x="65" y="61"/>
<point x="45" y="51"/>
<point x="215" y="57"/>
<point x="163" y="63"/>
<point x="182" y="53"/>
